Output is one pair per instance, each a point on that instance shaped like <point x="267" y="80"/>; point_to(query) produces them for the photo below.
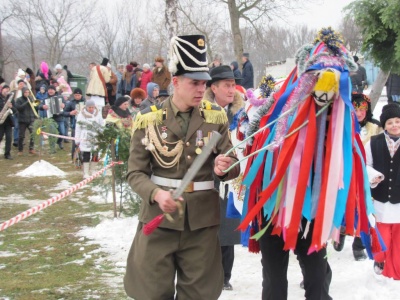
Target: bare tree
<point x="5" y="14"/>
<point x="209" y="22"/>
<point x="171" y="20"/>
<point x="351" y="34"/>
<point x="63" y="23"/>
<point x="254" y="12"/>
<point x="24" y="15"/>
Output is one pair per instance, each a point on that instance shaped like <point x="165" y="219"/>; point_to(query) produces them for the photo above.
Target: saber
<point x="186" y="180"/>
<point x="197" y="164"/>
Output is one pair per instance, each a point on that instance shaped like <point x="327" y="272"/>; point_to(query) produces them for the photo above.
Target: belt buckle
<point x="190" y="187"/>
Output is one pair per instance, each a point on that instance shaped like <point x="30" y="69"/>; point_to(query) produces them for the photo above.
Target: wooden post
<point x="113" y="177"/>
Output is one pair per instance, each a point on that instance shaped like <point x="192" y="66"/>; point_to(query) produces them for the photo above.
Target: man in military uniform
<point x="166" y="140"/>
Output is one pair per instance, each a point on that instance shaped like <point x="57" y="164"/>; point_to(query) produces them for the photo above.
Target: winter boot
<point x="86" y="167"/>
<point x="93" y="167"/>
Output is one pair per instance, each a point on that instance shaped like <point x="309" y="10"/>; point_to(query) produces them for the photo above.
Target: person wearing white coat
<point x="85" y="136"/>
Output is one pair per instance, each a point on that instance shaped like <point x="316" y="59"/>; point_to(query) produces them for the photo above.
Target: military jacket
<point x="201" y="208"/>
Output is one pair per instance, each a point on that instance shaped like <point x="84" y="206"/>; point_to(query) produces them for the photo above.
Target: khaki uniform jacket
<point x="202" y="207"/>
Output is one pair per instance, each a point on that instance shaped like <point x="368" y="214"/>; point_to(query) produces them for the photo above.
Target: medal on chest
<point x="199" y="142"/>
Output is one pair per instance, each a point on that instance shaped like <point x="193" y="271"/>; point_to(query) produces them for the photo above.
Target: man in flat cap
<point x="166" y="140"/>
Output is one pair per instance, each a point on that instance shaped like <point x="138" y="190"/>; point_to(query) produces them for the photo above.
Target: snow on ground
<point x="63" y="185"/>
<point x="351" y="279"/>
<point x="41" y="168"/>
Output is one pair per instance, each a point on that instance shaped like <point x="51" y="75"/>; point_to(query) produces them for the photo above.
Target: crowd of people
<point x="168" y="132"/>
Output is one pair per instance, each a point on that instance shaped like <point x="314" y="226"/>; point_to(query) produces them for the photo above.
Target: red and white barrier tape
<point x="54" y="199"/>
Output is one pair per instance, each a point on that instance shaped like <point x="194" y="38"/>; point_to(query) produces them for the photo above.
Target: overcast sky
<point x="321" y="13"/>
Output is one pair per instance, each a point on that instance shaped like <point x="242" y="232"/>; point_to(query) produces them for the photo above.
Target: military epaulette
<point x="152" y="115"/>
<point x="212" y="113"/>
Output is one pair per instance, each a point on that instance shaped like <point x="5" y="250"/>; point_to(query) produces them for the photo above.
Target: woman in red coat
<point x="146" y="77"/>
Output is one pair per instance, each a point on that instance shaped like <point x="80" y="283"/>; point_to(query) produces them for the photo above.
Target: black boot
<point x="378" y="267"/>
<point x="338" y="246"/>
<point x="359" y="255"/>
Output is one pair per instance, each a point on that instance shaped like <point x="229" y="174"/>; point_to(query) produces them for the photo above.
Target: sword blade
<point x="197" y="164"/>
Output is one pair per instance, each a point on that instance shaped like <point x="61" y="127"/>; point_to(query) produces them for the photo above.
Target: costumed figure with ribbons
<point x="221" y="89"/>
<point x="306" y="173"/>
<point x="181" y="257"/>
<point x="368" y="128"/>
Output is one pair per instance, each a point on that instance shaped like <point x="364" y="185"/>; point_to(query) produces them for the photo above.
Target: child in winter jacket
<point x="42" y="95"/>
<point x="85" y="136"/>
<point x="383" y="155"/>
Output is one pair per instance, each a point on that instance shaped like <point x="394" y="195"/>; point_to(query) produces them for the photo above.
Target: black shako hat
<point x="188" y="57"/>
<point x="220" y="73"/>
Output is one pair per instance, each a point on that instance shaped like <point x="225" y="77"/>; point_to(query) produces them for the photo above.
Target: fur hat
<point x="120" y="101"/>
<point x="58" y="67"/>
<point x="29" y="71"/>
<point x="188" y="55"/>
<point x="389" y="111"/>
<point x="159" y="59"/>
<point x="138" y="93"/>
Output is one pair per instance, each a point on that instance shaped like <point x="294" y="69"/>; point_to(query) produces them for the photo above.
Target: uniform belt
<point x="174" y="183"/>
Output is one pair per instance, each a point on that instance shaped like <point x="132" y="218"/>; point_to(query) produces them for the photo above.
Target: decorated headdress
<point x="304" y="164"/>
<point x="188" y="57"/>
<point x="361" y="101"/>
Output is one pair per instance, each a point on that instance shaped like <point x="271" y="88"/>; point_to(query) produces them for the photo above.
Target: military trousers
<point x="192" y="258"/>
